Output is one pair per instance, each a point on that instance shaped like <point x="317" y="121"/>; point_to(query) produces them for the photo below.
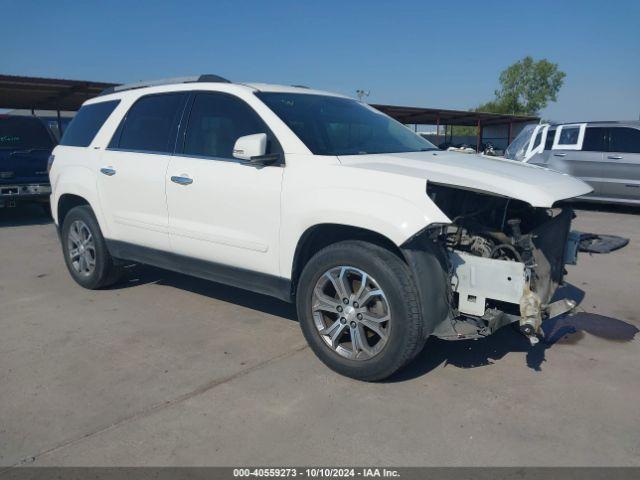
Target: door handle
<point x="615" y="157"/>
<point x="110" y="172"/>
<point x="181" y="180"/>
<point x="559" y="154"/>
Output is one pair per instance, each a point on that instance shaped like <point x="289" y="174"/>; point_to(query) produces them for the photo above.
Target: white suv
<point x="380" y="238"/>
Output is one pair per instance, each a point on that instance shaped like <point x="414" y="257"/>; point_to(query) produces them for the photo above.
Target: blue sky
<point x="436" y="54"/>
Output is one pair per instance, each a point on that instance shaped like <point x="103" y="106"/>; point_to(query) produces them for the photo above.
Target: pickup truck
<point x="25" y="146"/>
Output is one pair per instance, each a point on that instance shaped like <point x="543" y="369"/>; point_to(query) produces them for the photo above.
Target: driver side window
<point x="216" y="121"/>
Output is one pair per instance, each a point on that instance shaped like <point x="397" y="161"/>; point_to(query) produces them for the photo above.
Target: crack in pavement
<point x="145" y="412"/>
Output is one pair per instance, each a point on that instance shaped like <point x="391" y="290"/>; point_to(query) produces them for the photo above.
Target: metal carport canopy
<point x="436" y="116"/>
<point x="46" y="93"/>
<point x="57" y="94"/>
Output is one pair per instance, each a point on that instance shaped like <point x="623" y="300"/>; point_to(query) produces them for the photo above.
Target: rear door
<point x="622" y="164"/>
<point x="577" y="150"/>
<point x="131" y="178"/>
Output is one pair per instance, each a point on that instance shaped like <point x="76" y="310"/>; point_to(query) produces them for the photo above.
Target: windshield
<point x="341" y="126"/>
<point x="518" y="148"/>
<point x="23" y="133"/>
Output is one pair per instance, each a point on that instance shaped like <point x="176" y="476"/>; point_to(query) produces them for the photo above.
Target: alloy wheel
<point x="81" y="248"/>
<point x="351" y="312"/>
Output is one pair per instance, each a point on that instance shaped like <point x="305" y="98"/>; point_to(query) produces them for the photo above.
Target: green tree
<point x="526" y="87"/>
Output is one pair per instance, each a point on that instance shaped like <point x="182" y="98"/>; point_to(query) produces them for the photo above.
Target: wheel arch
<point x="66" y="202"/>
<point x="319" y="236"/>
<point x="425" y="258"/>
<point x="71" y="190"/>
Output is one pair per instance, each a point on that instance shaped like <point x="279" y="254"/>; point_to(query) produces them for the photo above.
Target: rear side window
<point x="85" y="125"/>
<point x="151" y="124"/>
<point x="23" y="132"/>
<point x="594" y="138"/>
<point x="625" y="140"/>
<point x="217" y="120"/>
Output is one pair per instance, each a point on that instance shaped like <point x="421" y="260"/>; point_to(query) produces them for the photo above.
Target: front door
<point x="622" y="164"/>
<point x="132" y="171"/>
<point x="221" y="209"/>
<point x="577" y="150"/>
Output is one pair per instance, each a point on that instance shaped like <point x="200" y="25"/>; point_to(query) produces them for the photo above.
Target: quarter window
<point x="625" y="140"/>
<point x="85" y="125"/>
<point x="216" y="121"/>
<point x="151" y="124"/>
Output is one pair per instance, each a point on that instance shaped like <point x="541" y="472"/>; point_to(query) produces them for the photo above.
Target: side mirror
<point x="253" y="149"/>
<point x="250" y="146"/>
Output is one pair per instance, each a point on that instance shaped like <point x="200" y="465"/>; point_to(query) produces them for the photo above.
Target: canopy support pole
<point x="59" y="123"/>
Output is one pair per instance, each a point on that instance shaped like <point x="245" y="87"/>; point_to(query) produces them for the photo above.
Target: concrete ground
<point x="169" y="370"/>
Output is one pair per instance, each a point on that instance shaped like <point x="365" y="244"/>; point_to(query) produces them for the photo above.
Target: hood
<point x="538" y="186"/>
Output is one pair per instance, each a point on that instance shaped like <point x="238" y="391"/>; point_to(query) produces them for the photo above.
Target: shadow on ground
<point x="605" y="207"/>
<point x="25" y="214"/>
<point x="479" y="353"/>
<point x="144" y="274"/>
<point x="462" y="354"/>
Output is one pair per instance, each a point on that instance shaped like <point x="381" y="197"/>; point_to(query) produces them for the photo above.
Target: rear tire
<point x="355" y="340"/>
<point x="85" y="251"/>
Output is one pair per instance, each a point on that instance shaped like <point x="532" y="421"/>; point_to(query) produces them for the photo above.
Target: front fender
<point x="395" y="217"/>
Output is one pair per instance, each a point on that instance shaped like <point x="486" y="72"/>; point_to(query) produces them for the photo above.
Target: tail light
<point x="50" y="162"/>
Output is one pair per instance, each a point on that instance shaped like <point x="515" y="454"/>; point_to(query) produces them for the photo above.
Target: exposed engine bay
<point x="506" y="260"/>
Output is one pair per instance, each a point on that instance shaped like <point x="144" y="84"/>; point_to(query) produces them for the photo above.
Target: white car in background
<point x="379" y="238"/>
<point x="606" y="155"/>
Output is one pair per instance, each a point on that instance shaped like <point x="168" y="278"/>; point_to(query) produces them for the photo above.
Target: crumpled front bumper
<point x="496" y="292"/>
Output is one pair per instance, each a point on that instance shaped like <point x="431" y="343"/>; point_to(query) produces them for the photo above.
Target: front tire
<point x="358" y="308"/>
<point x="85" y="251"/>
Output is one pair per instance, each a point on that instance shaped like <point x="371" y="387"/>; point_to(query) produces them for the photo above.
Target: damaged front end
<point x="504" y="258"/>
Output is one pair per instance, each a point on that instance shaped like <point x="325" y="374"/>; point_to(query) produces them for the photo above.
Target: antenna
<point x="362" y="93"/>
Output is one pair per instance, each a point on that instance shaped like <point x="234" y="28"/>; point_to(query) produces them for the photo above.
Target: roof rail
<point x="165" y="81"/>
